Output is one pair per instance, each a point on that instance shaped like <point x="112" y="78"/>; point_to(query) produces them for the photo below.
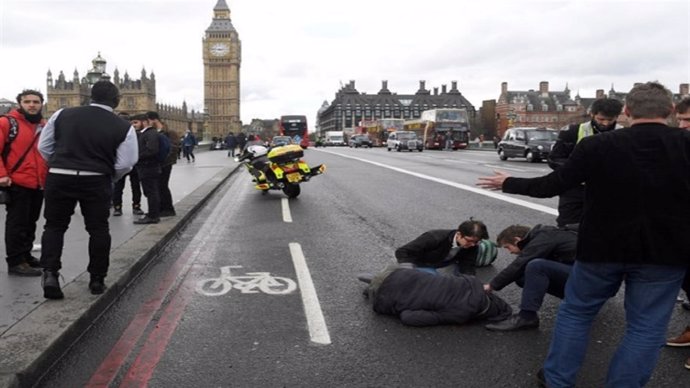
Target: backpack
<point x="164" y="147"/>
<point x="486" y="254"/>
<point x="14" y="130"/>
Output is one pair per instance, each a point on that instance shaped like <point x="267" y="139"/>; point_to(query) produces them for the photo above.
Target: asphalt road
<point x="176" y="328"/>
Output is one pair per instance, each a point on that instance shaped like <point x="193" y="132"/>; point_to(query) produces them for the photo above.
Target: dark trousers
<point x="20" y="223"/>
<point x="120" y="188"/>
<point x="164" y="186"/>
<point x="188" y="151"/>
<point x="542" y="277"/>
<point x="62" y="193"/>
<point x="150" y="178"/>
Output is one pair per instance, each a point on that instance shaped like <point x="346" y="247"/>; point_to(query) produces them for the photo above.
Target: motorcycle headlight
<point x="540" y="148"/>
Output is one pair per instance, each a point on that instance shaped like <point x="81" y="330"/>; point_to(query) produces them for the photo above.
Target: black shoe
<point x="34" y="262"/>
<point x="167" y="213"/>
<point x="51" y="285"/>
<point x="541" y="380"/>
<point x="136" y="210"/>
<point x="117" y="211"/>
<point x="147" y="220"/>
<point x="515" y="322"/>
<point x="24" y="269"/>
<point x="97" y="284"/>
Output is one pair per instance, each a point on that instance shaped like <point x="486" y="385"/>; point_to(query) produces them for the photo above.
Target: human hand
<point x="5" y="181"/>
<point x="493" y="182"/>
<point x="487" y="287"/>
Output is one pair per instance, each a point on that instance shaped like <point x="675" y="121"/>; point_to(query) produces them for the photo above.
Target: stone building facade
<point x="350" y="107"/>
<point x="222" y="53"/>
<point x="138" y="96"/>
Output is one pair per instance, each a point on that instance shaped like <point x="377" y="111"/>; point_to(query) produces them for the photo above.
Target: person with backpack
<point x="22" y="174"/>
<point x="149" y="168"/>
<point x="168" y="149"/>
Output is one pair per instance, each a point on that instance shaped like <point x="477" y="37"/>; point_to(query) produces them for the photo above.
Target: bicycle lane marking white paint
<point x="476" y="190"/>
<point x="287" y="217"/>
<point x="318" y="332"/>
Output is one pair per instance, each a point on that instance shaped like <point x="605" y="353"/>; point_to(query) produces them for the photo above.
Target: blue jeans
<point x="541" y="277"/>
<point x="650" y="294"/>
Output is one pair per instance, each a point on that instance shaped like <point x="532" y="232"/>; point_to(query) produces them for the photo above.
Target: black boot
<point x="97" y="284"/>
<point x="51" y="285"/>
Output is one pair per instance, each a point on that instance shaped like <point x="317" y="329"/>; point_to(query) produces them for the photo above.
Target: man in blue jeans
<point x="634" y="230"/>
<point x="545" y="255"/>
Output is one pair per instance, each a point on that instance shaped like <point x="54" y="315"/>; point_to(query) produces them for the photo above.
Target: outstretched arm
<point x="494" y="182"/>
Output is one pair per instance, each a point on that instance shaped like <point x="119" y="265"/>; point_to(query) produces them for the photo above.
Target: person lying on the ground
<point x="420" y="298"/>
<point x="545" y="255"/>
<point x="443" y="247"/>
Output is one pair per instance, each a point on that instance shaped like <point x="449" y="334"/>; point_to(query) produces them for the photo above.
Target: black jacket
<point x="148" y="148"/>
<point x="541" y="242"/>
<point x="422" y="299"/>
<point x="636" y="194"/>
<point x="431" y="248"/>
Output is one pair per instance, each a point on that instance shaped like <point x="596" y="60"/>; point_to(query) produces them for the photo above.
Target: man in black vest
<point x="149" y="169"/>
<point x="87" y="148"/>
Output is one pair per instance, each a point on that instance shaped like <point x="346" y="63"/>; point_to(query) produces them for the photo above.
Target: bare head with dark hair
<point x="683" y="113"/>
<point x="650" y="100"/>
<point x="105" y="93"/>
<point x="29" y="92"/>
<point x="470" y="232"/>
<point x="511" y="235"/>
<point x="609" y="107"/>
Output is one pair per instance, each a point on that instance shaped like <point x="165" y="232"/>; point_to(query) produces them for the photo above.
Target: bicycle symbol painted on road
<point x="249" y="283"/>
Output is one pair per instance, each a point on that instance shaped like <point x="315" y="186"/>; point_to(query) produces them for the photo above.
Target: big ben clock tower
<point x="222" y="56"/>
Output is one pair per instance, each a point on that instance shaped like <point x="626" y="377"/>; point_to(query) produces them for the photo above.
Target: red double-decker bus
<point x="295" y="126"/>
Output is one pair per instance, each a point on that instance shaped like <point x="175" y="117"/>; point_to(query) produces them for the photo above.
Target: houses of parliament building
<point x="221" y="56"/>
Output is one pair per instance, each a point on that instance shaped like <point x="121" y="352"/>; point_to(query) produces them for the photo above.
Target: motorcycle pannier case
<point x="286" y="153"/>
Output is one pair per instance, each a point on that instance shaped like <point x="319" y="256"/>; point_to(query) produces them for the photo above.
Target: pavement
<point x="34" y="332"/>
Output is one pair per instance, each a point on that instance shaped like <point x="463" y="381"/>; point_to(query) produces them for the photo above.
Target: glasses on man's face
<point x="467" y="241"/>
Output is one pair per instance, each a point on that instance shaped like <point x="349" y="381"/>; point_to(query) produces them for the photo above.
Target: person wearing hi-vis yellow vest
<point x="603" y="113"/>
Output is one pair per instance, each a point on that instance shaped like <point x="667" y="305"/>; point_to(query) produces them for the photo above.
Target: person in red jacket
<point x="23" y="172"/>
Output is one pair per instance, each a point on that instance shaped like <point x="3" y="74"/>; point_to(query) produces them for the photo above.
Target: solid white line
<point x="476" y="190"/>
<point x="287" y="217"/>
<point x="318" y="332"/>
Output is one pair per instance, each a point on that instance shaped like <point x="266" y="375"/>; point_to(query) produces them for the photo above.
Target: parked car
<point x="404" y="140"/>
<point x="280" y="141"/>
<point x="357" y="141"/>
<point x="531" y="143"/>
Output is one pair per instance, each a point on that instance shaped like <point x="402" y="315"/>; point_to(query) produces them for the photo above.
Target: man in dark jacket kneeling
<point x="420" y="298"/>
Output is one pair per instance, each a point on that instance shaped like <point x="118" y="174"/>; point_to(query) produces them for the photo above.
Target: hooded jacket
<point x="33" y="170"/>
<point x="420" y="298"/>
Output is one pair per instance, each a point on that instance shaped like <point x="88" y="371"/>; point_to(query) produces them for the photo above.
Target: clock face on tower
<point x="219" y="49"/>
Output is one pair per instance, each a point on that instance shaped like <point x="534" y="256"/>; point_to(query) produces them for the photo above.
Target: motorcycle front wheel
<point x="291" y="190"/>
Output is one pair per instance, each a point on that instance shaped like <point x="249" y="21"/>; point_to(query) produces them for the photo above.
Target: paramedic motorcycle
<point x="278" y="168"/>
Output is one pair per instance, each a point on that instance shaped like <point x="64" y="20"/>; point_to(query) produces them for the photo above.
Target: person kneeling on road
<point x="444" y="247"/>
<point x="420" y="298"/>
<point x="545" y="255"/>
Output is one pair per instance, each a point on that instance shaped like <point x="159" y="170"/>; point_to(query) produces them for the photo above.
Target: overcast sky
<point x="295" y="54"/>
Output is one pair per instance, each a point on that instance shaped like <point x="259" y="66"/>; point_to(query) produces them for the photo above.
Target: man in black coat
<point x="149" y="169"/>
<point x="420" y="298"/>
<point x="442" y="247"/>
<point x="604" y="113"/>
<point x="545" y="255"/>
<point x="634" y="230"/>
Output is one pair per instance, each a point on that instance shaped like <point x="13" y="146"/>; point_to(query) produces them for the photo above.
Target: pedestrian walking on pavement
<point x="231" y="143"/>
<point x="87" y="148"/>
<point x="149" y="169"/>
<point x="188" y="144"/>
<point x="22" y="177"/>
<point x="167" y="207"/>
<point x="633" y="231"/>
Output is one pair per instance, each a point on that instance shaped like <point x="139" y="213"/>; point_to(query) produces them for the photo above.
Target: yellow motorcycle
<point x="278" y="168"/>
